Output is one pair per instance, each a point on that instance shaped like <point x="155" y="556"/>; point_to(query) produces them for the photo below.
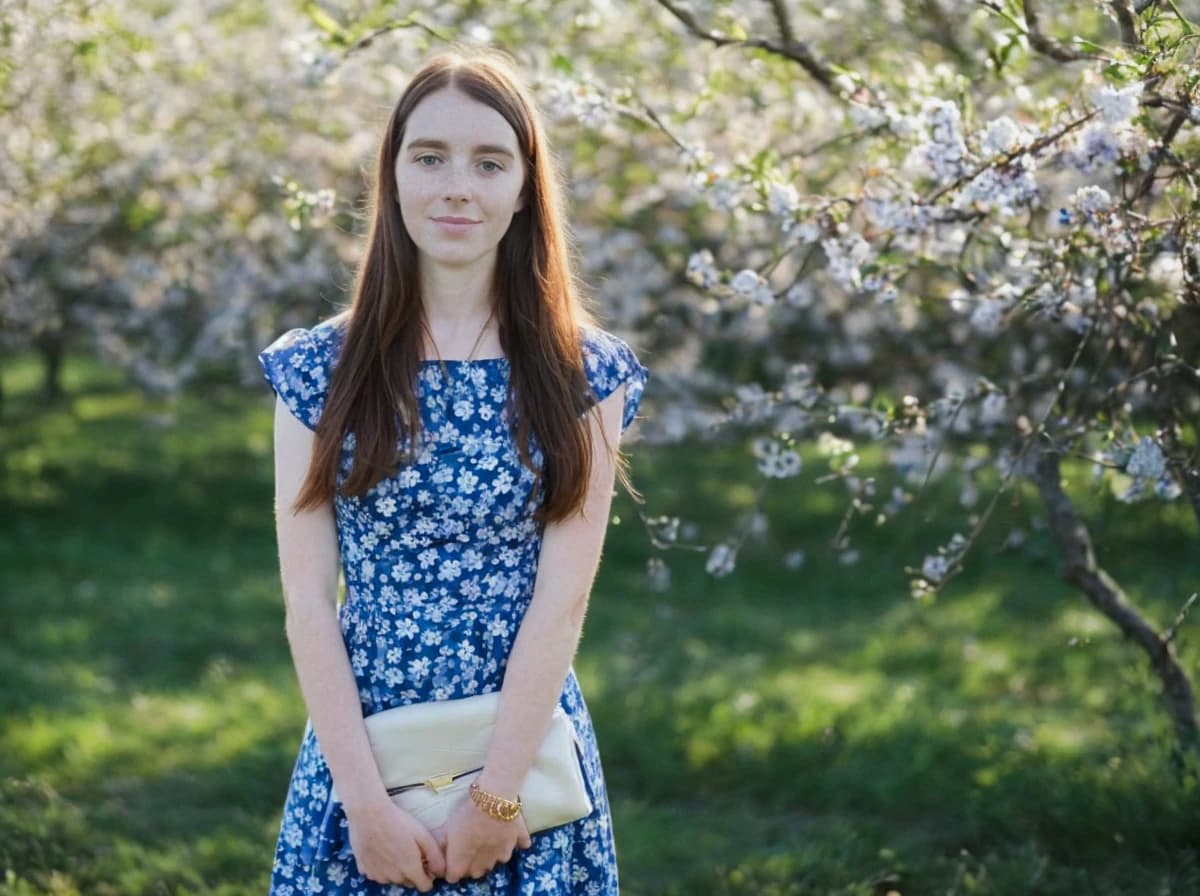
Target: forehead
<point x="453" y="117"/>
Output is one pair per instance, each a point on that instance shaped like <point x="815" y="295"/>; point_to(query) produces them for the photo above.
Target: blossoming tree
<point x="964" y="234"/>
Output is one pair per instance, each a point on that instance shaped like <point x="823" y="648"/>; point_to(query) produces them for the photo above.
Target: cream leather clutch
<point x="429" y="753"/>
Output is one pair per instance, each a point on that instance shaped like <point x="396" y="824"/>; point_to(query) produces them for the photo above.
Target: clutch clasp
<point x="438" y="783"/>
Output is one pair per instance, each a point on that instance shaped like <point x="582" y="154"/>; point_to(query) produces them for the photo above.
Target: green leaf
<point x="1188" y="27"/>
<point x="323" y="20"/>
<point x="563" y="64"/>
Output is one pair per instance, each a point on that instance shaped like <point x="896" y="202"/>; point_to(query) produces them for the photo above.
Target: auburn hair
<point x="540" y="310"/>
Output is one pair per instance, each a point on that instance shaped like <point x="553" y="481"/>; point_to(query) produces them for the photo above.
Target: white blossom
<point x="794" y="559"/>
<point x="1118" y="105"/>
<point x="1147" y="460"/>
<point x="846" y="258"/>
<point x="944" y="153"/>
<point x="993" y="409"/>
<point x="782" y="200"/>
<point x="775" y="461"/>
<point x="831" y="446"/>
<point x="1093" y="147"/>
<point x="1001" y="135"/>
<point x="1004" y="187"/>
<point x="1091" y="201"/>
<point x="935" y="567"/>
<point x="987" y="315"/>
<point x="701" y="270"/>
<point x="807" y="232"/>
<point x="746" y="282"/>
<point x="722" y="560"/>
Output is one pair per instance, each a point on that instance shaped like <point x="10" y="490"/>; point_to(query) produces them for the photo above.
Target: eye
<point x="420" y="160"/>
<point x="496" y="166"/>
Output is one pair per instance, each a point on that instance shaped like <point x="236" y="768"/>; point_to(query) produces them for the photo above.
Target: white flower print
<point x="439" y="563"/>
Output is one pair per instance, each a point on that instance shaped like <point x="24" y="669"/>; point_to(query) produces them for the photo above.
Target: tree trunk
<point x="51" y="348"/>
<point x="1080" y="570"/>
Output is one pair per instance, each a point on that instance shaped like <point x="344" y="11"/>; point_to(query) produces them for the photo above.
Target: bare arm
<point x="308" y="564"/>
<point x="549" y="634"/>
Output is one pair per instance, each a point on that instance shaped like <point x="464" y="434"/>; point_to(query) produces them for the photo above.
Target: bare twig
<point x="797" y="51"/>
<point x="1182" y="462"/>
<point x="645" y="113"/>
<point x="1127" y="22"/>
<point x="410" y="22"/>
<point x="1177" y="121"/>
<point x="1038" y="431"/>
<point x="1045" y="45"/>
<point x="1006" y="158"/>
<point x="784" y="22"/>
<point x="1169" y="635"/>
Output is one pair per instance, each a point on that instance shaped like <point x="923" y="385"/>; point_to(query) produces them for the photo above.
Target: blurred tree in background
<point x="964" y="234"/>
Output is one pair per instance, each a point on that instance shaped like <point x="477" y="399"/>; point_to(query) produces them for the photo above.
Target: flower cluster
<point x="846" y="257"/>
<point x="943" y="154"/>
<point x="774" y="460"/>
<point x="752" y="285"/>
<point x="1146" y="465"/>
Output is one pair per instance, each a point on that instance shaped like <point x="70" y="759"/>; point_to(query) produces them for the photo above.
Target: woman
<point x="452" y="438"/>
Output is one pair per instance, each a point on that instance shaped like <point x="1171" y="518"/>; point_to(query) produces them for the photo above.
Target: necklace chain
<point x="453" y="382"/>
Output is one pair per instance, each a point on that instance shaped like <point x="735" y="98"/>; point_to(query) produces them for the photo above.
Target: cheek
<point x="413" y="205"/>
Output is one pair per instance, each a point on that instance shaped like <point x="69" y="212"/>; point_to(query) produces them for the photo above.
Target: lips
<point x="452" y="226"/>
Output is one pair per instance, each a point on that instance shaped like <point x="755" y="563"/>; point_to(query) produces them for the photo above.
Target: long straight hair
<point x="540" y="310"/>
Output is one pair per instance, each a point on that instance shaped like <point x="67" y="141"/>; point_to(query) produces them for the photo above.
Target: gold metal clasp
<point x="438" y="783"/>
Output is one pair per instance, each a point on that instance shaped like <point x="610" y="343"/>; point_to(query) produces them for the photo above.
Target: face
<point x="459" y="176"/>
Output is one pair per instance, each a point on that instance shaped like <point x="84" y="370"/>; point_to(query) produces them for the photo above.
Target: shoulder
<point x="607" y="353"/>
<point x="609" y="361"/>
<point x="319" y="342"/>
<point x="298" y="364"/>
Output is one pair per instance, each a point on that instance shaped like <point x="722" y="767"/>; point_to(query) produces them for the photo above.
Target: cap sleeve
<point x="609" y="362"/>
<point x="297" y="365"/>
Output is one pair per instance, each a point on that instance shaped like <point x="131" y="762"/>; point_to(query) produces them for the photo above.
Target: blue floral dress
<point x="439" y="564"/>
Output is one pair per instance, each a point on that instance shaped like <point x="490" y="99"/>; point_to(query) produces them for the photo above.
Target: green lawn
<point x="774" y="732"/>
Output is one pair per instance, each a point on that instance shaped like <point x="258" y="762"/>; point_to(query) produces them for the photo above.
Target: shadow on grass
<point x="776" y="731"/>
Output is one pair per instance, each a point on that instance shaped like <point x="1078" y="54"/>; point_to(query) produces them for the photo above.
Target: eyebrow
<point x="481" y="149"/>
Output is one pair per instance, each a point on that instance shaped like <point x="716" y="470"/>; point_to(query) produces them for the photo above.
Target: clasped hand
<point x="391" y="846"/>
<point x="473" y="842"/>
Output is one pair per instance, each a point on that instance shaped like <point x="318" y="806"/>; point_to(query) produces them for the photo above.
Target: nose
<point x="456" y="186"/>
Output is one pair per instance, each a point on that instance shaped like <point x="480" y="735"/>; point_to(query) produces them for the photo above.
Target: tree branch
<point x="1103" y="592"/>
<point x="1127" y="21"/>
<point x="1183" y="463"/>
<point x="1177" y="121"/>
<point x="1047" y="46"/>
<point x="784" y="22"/>
<point x="797" y="51"/>
<point x="1006" y="158"/>
<point x="1180" y="618"/>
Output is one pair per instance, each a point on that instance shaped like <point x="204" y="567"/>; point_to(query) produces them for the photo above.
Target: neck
<point x="457" y="302"/>
<point x="456" y="298"/>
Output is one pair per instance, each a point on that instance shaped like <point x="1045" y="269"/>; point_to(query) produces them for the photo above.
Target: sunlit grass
<point x="777" y="731"/>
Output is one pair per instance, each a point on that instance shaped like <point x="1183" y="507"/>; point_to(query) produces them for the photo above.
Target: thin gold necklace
<point x="453" y="382"/>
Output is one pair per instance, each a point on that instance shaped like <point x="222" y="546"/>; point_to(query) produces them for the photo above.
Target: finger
<point x="422" y="882"/>
<point x="524" y="840"/>
<point x="431" y="852"/>
<point x="456" y="861"/>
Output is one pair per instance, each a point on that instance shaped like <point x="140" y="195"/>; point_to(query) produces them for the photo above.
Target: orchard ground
<point x="774" y="731"/>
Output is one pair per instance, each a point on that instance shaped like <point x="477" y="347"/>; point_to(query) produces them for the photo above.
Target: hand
<point x="391" y="847"/>
<point x="474" y="843"/>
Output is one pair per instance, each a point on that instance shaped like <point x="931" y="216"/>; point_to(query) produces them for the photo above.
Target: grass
<point x="811" y="731"/>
